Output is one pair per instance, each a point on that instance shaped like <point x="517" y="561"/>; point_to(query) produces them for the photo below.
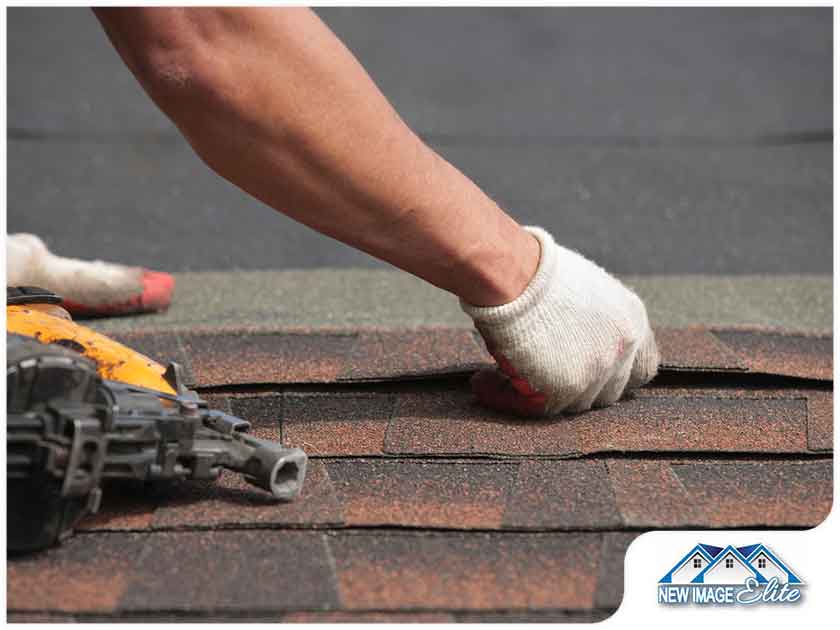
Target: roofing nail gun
<point x="82" y="408"/>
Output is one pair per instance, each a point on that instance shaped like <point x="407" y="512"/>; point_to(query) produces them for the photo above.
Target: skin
<point x="273" y="102"/>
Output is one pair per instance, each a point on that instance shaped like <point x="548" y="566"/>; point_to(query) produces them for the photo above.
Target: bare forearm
<point x="273" y="102"/>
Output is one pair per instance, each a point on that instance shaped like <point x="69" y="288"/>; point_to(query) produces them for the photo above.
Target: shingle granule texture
<point x="422" y="506"/>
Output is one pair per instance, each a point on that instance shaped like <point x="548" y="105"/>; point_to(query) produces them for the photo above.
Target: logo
<point x="752" y="574"/>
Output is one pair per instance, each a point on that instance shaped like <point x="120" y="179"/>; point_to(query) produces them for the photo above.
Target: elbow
<point x="169" y="71"/>
<point x="181" y="73"/>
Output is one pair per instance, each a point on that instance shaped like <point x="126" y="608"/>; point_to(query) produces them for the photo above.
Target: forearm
<point x="273" y="102"/>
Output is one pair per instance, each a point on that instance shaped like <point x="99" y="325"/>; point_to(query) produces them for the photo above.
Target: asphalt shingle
<point x="759" y="494"/>
<point x="336" y="424"/>
<point x="805" y="356"/>
<point x="89" y="573"/>
<point x="367" y="617"/>
<point x="458" y="495"/>
<point x="821" y="420"/>
<point x="232" y="502"/>
<point x="649" y="494"/>
<point x="421" y="505"/>
<point x="611" y="572"/>
<point x="452" y="424"/>
<point x="251" y="356"/>
<point x="243" y="357"/>
<point x="491" y="495"/>
<point x="248" y="571"/>
<point x="389" y="571"/>
<point x="413" y="354"/>
<point x="264" y="412"/>
<point x="565" y="494"/>
<point x="125" y="506"/>
<point x="695" y="349"/>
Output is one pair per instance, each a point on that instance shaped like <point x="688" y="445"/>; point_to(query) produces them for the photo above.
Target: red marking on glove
<point x="520" y="384"/>
<point x="156" y="296"/>
<point x="505" y="390"/>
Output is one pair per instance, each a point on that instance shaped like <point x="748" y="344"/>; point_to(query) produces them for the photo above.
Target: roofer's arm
<point x="272" y="101"/>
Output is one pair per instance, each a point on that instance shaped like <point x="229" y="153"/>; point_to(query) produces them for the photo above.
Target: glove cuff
<point x="532" y="294"/>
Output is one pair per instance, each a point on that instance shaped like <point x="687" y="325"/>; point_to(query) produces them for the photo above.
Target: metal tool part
<point x="68" y="429"/>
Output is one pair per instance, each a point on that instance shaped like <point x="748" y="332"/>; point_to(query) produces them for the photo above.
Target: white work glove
<point x="89" y="287"/>
<point x="575" y="338"/>
<point x="29" y="262"/>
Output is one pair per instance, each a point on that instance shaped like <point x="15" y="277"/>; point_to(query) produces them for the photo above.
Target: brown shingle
<point x="452" y="423"/>
<point x="758" y="494"/>
<point x="806" y="356"/>
<point x="532" y="616"/>
<point x="264" y="412"/>
<point x="699" y="424"/>
<point x="246" y="570"/>
<point x="87" y="573"/>
<point x="565" y="494"/>
<point x="298" y="356"/>
<point x="258" y="357"/>
<point x="821" y="421"/>
<point x="727" y="389"/>
<point x="695" y="349"/>
<point x="233" y="502"/>
<point x="388" y="571"/>
<point x="423" y="494"/>
<point x="368" y="617"/>
<point x="440" y="423"/>
<point x="684" y="493"/>
<point x="649" y="494"/>
<point x="336" y="424"/>
<point x="125" y="506"/>
<point x="611" y="572"/>
<point x="413" y="353"/>
<point x="236" y="358"/>
<point x="260" y="571"/>
<point x="38" y="618"/>
<point x="221" y="402"/>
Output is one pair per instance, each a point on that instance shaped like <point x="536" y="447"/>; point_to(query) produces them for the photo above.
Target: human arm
<point x="273" y="102"/>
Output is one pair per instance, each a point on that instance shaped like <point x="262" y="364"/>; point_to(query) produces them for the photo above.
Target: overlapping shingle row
<point x="447" y="422"/>
<point x="514" y="495"/>
<point x="271" y="572"/>
<point x="253" y="356"/>
<point x="420" y="505"/>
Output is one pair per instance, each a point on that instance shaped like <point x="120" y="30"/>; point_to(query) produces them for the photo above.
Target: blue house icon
<point x="760" y="557"/>
<point x="708" y="564"/>
<point x="691" y="564"/>
<point x="729" y="567"/>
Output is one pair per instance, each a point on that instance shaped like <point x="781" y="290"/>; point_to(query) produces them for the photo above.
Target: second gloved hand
<point x="575" y="338"/>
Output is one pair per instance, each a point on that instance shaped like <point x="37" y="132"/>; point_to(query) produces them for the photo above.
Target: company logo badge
<point x="752" y="574"/>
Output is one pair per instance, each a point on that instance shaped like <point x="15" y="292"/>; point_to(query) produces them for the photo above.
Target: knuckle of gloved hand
<point x="645" y="363"/>
<point x="627" y="337"/>
<point x="652" y="346"/>
<point x="652" y="359"/>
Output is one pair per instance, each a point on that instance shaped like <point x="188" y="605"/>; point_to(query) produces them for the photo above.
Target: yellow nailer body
<point x="49" y="323"/>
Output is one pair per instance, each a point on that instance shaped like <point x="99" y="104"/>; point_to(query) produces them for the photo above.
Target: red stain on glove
<point x="505" y="390"/>
<point x="155" y="296"/>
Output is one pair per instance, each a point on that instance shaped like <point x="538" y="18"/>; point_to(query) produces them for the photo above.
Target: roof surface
<point x="421" y="505"/>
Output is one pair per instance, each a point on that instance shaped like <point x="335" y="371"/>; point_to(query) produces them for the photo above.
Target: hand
<point x="89" y="287"/>
<point x="575" y="338"/>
